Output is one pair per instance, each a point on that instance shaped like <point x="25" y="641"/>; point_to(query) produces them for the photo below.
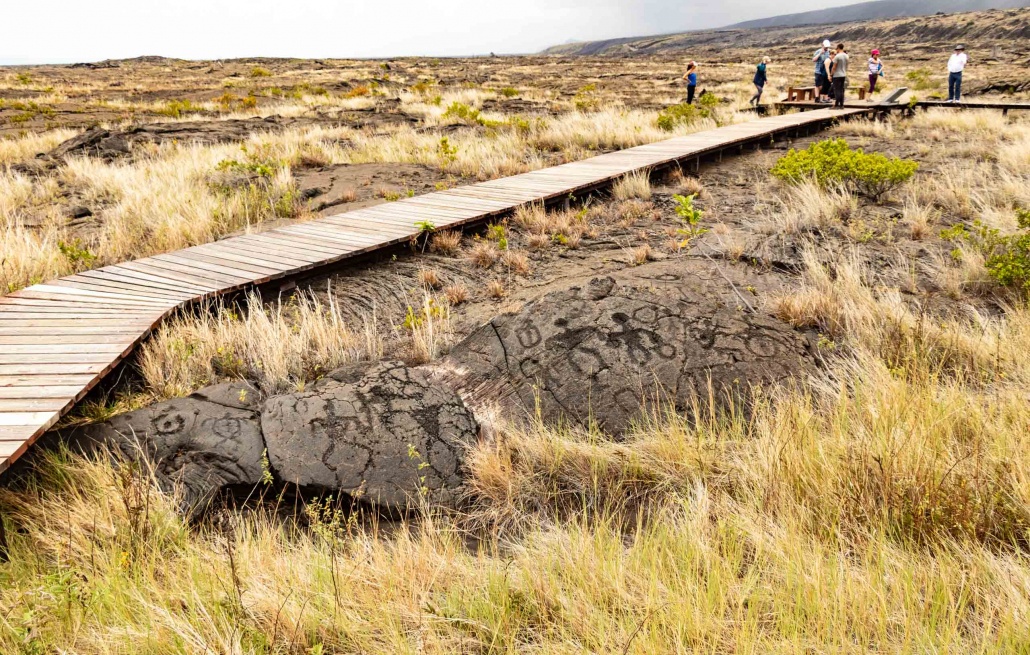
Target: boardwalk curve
<point x="60" y="338"/>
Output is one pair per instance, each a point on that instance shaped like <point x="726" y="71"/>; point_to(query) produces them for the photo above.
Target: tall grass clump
<point x="280" y="347"/>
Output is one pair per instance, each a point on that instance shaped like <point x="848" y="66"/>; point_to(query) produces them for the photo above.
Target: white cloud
<point x="74" y="30"/>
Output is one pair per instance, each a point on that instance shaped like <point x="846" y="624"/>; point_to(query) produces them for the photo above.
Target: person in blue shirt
<point x="691" y="77"/>
<point x="760" y="79"/>
<point x="822" y="82"/>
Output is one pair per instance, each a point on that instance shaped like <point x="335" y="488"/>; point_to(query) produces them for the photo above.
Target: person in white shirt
<point x="956" y="64"/>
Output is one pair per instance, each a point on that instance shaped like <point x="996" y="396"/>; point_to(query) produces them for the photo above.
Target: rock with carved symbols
<point x="380" y="432"/>
<point x="197" y="445"/>
<point x="602" y="352"/>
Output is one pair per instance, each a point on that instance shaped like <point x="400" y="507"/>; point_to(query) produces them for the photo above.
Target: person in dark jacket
<point x="761" y="76"/>
<point x="691" y="78"/>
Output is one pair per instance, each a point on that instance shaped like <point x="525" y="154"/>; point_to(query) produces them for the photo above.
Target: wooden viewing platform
<point x="1005" y="107"/>
<point x="60" y="338"/>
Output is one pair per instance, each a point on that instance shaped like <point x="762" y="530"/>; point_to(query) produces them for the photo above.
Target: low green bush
<point x="468" y="115"/>
<point x="834" y="163"/>
<point x="682" y="114"/>
<point x="1006" y="256"/>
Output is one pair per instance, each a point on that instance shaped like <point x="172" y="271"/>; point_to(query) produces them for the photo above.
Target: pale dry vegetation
<point x="880" y="505"/>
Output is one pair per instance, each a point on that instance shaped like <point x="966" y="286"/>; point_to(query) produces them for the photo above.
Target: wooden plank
<point x="56" y="392"/>
<point x="10" y="419"/>
<point x="52" y="369"/>
<point x="146" y="279"/>
<point x="87" y="295"/>
<point x="69" y="380"/>
<point x="34" y="404"/>
<point x="112" y="286"/>
<point x="172" y="271"/>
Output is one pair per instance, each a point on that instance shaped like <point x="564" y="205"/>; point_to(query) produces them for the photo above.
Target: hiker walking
<point x="956" y="64"/>
<point x="691" y="77"/>
<point x="760" y="79"/>
<point x="822" y="82"/>
<point x="840" y="76"/>
<point x="875" y="71"/>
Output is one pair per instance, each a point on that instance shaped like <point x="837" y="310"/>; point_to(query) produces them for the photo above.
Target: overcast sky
<point x="90" y="30"/>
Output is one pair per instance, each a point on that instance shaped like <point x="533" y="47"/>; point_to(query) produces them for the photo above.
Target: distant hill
<point x="880" y="9"/>
<point x="935" y="30"/>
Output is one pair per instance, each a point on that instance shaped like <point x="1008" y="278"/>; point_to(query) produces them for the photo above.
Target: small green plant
<point x="259" y="71"/>
<point x="509" y="92"/>
<point x="420" y="466"/>
<point x="266" y="469"/>
<point x="76" y="254"/>
<point x="468" y="115"/>
<point x="448" y="153"/>
<point x="834" y="163"/>
<point x="23" y="79"/>
<point x="179" y="108"/>
<point x="921" y="79"/>
<point x="1006" y="256"/>
<point x="425" y="226"/>
<point x="682" y="114"/>
<point x="586" y="98"/>
<point x="423" y="87"/>
<point x="691" y="218"/>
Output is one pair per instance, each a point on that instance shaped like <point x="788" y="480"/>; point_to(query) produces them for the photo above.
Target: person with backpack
<point x="761" y="77"/>
<point x="840" y="76"/>
<point x="822" y="85"/>
<point x="875" y="71"/>
<point x="691" y="78"/>
<point x="956" y="64"/>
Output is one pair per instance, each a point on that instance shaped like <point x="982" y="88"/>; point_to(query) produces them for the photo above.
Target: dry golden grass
<point x="456" y="294"/>
<point x="642" y="254"/>
<point x="445" y="243"/>
<point x="495" y="289"/>
<point x="517" y="263"/>
<point x="483" y="253"/>
<point x="280" y="348"/>
<point x="636" y="185"/>
<point x="807" y="206"/>
<point x="429" y="279"/>
<point x="869" y="508"/>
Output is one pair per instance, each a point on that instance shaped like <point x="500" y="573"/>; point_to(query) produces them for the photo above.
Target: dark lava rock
<point x="595" y="353"/>
<point x="381" y="433"/>
<point x="196" y="443"/>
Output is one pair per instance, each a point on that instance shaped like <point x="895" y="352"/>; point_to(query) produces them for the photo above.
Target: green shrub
<point x="179" y="108"/>
<point x="510" y="92"/>
<point x="834" y="163"/>
<point x="681" y="114"/>
<point x="258" y="71"/>
<point x="586" y="98"/>
<point x="691" y="218"/>
<point x="1006" y="257"/>
<point x="468" y="115"/>
<point x="921" y="79"/>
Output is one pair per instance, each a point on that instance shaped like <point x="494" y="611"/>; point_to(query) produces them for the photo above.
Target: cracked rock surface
<point x="592" y="353"/>
<point x="201" y="443"/>
<point x="382" y="432"/>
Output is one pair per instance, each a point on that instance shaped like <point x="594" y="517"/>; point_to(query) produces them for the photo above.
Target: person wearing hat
<point x="691" y="78"/>
<point x="875" y="71"/>
<point x="956" y="65"/>
<point x="761" y="77"/>
<point x="822" y="84"/>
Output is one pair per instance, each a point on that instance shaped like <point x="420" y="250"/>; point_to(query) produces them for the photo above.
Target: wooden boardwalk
<point x="60" y="338"/>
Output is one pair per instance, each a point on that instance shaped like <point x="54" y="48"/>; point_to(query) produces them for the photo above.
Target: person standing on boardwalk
<point x="956" y="64"/>
<point x="822" y="85"/>
<point x="875" y="71"/>
<point x="760" y="79"/>
<point x="691" y="77"/>
<point x="840" y="76"/>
